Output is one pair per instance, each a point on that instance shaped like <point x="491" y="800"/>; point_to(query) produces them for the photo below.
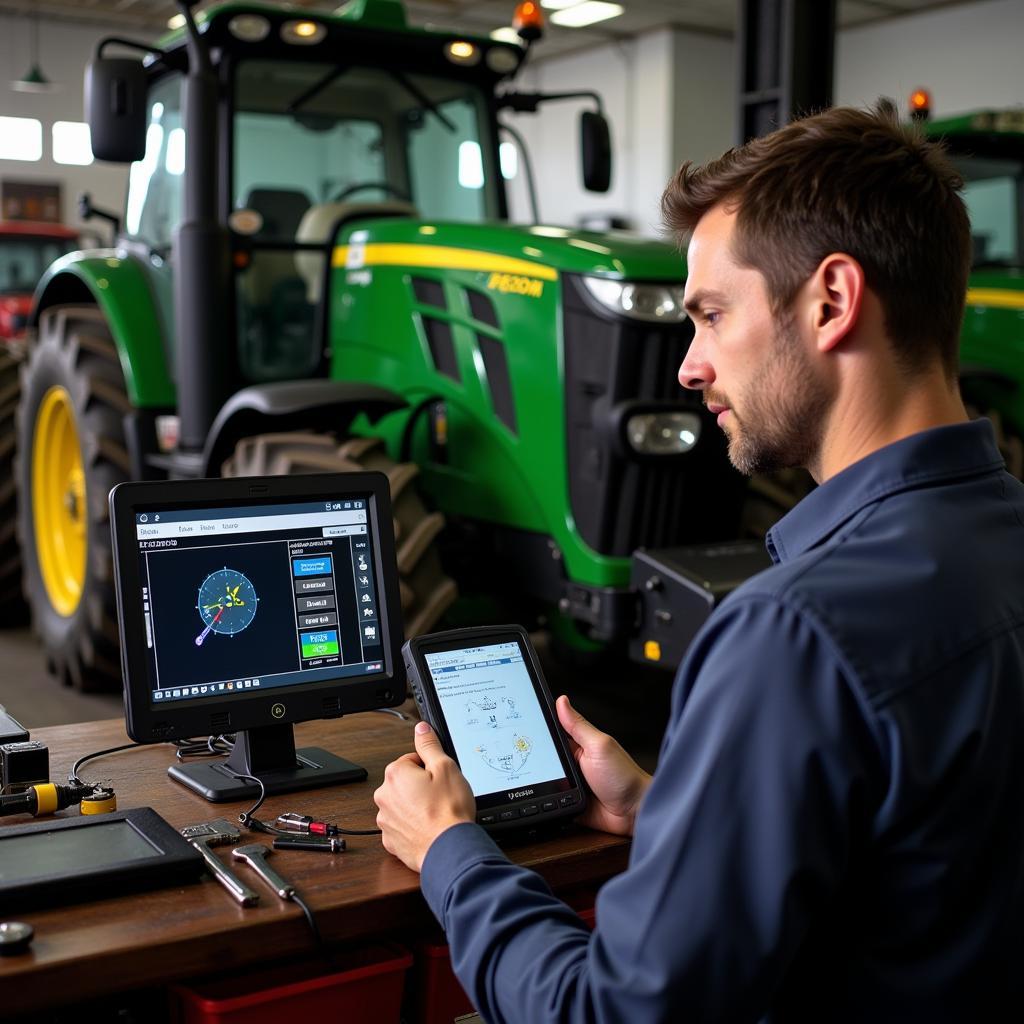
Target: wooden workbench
<point x="121" y="943"/>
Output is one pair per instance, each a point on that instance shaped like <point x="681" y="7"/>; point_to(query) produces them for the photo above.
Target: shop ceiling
<point x="150" y="17"/>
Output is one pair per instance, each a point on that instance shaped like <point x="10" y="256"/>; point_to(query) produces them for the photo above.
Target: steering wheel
<point x="361" y="185"/>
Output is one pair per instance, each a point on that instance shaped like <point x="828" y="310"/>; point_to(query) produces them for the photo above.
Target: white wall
<point x="64" y="50"/>
<point x="668" y="96"/>
<point x="969" y="56"/>
<point x="671" y="96"/>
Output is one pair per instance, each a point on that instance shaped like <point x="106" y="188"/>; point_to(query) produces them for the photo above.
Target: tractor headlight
<point x="658" y="303"/>
<point x="663" y="433"/>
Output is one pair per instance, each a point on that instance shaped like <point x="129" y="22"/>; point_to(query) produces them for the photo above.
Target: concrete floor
<point x="630" y="702"/>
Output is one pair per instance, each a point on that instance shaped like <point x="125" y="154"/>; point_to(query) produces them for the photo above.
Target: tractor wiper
<point x="317" y="87"/>
<point x="421" y="97"/>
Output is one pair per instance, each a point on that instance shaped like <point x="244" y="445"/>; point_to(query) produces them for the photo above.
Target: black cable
<point x="310" y="920"/>
<point x="405" y="447"/>
<point x="73" y="774"/>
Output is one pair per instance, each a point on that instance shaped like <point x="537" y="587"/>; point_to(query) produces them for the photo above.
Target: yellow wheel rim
<point x="58" y="501"/>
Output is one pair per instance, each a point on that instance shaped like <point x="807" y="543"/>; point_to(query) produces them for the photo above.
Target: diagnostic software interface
<point x="494" y="717"/>
<point x="253" y="598"/>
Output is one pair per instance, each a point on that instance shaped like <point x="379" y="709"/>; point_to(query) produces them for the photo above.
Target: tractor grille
<point x="621" y="501"/>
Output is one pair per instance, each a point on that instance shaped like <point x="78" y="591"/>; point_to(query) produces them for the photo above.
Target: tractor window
<point x="23" y="258"/>
<point x="315" y="144"/>
<point x="993" y="192"/>
<point x="155" y="182"/>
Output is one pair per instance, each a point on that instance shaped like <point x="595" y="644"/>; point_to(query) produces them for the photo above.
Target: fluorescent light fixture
<point x="176" y="21"/>
<point x="71" y="143"/>
<point x="558" y="5"/>
<point x="587" y="13"/>
<point x="508" y="156"/>
<point x="471" y="165"/>
<point x="507" y="34"/>
<point x="21" y="138"/>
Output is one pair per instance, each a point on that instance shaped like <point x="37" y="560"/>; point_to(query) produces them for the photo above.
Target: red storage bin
<point x="365" y="989"/>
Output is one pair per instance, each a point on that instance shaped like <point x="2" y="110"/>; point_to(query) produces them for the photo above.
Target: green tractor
<point x="988" y="149"/>
<point x="315" y="272"/>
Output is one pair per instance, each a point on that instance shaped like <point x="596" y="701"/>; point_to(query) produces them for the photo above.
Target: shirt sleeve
<point x="766" y="776"/>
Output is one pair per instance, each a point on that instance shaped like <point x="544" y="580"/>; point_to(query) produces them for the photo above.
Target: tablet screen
<point x="498" y="726"/>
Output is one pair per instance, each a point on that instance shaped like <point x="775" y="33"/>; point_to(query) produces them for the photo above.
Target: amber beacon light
<point x="920" y="104"/>
<point x="528" y="20"/>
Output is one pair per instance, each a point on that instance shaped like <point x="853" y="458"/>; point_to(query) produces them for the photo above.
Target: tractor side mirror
<point x="596" y="151"/>
<point x="115" y="107"/>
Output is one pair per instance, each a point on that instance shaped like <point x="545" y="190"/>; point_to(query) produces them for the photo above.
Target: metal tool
<point x="220" y="832"/>
<point x="255" y="855"/>
<point x="319" y="844"/>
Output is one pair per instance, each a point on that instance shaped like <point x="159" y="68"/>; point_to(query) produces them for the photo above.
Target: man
<point x="835" y="831"/>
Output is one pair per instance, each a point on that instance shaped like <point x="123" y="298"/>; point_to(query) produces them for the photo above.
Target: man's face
<point x="757" y="373"/>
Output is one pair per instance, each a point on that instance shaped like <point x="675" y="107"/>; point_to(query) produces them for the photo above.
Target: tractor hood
<point x="539" y="250"/>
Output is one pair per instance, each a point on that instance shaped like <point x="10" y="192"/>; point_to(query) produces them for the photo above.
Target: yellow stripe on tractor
<point x="998" y="298"/>
<point x="399" y="254"/>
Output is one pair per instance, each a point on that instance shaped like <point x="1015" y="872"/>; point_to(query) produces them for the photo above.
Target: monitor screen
<point x="256" y="597"/>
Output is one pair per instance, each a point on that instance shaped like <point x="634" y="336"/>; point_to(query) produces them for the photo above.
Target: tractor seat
<point x="318" y="223"/>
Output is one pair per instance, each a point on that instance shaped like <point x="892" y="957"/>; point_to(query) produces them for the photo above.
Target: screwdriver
<point x="43" y="798"/>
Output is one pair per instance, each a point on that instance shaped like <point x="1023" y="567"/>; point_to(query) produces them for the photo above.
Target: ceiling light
<point x="506" y="34"/>
<point x="33" y="80"/>
<point x="586" y="13"/>
<point x="558" y="5"/>
<point x="176" y="21"/>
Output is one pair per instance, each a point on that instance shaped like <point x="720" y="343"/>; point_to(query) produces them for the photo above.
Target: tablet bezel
<point x="490" y="805"/>
<point x="176" y="861"/>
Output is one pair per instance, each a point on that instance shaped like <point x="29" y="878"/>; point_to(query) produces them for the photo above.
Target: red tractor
<point x="27" y="248"/>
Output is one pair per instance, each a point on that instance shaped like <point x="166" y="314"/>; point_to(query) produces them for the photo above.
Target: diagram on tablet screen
<point x="502" y="757"/>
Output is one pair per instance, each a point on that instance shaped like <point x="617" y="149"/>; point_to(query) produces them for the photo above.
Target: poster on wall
<point x="30" y="200"/>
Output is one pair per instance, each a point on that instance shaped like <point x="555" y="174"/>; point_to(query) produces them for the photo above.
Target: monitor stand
<point x="268" y="753"/>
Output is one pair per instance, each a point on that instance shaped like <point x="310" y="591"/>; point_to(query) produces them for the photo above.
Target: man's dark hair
<point x="852" y="181"/>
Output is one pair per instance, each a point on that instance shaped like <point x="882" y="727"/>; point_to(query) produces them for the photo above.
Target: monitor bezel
<point x="204" y="716"/>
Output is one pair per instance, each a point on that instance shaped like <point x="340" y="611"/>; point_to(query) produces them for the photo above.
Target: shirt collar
<point x="942" y="453"/>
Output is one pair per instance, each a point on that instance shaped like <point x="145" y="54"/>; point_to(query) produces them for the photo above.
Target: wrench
<point x="218" y="833"/>
<point x="255" y="855"/>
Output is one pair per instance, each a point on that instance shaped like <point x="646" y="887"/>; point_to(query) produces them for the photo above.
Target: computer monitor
<point x="248" y="604"/>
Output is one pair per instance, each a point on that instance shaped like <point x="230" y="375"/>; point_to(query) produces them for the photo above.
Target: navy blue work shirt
<point x="835" y="831"/>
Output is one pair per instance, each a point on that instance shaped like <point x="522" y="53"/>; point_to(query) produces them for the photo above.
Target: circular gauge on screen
<point x="227" y="603"/>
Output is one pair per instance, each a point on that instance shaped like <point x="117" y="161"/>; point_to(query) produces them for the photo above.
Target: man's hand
<point x="616" y="781"/>
<point x="423" y="795"/>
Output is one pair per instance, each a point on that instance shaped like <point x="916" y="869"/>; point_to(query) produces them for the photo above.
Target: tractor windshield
<point x="319" y="145"/>
<point x="994" y="194"/>
<point x="23" y="258"/>
<point x="322" y="133"/>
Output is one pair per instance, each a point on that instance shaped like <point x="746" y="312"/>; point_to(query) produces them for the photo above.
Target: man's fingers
<point x="428" y="746"/>
<point x="574" y="723"/>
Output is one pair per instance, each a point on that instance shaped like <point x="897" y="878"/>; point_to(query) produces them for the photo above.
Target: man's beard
<point x="784" y="411"/>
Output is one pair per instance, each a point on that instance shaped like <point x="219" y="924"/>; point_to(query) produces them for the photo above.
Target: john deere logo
<point x="277" y="710"/>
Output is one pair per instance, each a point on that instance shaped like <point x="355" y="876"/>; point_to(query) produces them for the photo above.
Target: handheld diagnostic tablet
<point x="483" y="692"/>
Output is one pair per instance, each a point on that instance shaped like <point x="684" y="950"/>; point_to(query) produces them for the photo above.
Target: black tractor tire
<point x="426" y="592"/>
<point x="75" y="351"/>
<point x="13" y="611"/>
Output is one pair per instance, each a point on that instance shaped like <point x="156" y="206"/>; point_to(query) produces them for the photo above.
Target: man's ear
<point x="836" y="294"/>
